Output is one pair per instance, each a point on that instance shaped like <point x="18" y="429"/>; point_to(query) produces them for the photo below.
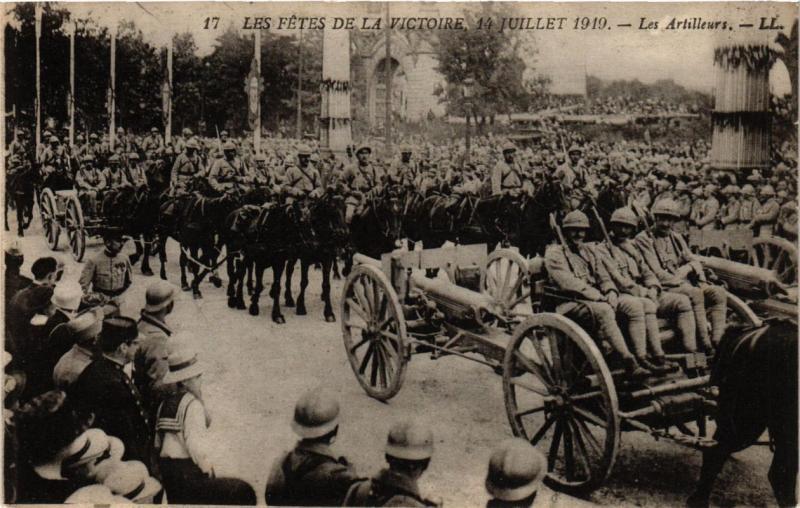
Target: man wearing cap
<point x="106" y="390"/>
<point x="84" y="329"/>
<point x="310" y="474"/>
<point x="182" y="439"/>
<point x="577" y="270"/>
<point x="107" y="272"/>
<point x="516" y="470"/>
<point x="150" y="363"/>
<point x="707" y="218"/>
<point x="729" y="211"/>
<point x="303" y="178"/>
<point x="766" y="215"/>
<point x="153" y="142"/>
<point x="90" y="182"/>
<point x="187" y="166"/>
<point x="669" y="257"/>
<point x="408" y="451"/>
<point x="227" y="172"/>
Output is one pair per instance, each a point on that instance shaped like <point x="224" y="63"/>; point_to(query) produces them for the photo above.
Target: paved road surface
<point x="256" y="370"/>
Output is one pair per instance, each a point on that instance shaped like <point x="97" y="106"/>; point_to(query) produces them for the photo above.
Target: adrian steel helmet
<point x="576" y="220"/>
<point x="624" y="216"/>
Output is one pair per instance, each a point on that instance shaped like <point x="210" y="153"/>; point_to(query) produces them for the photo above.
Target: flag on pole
<point x="253" y="86"/>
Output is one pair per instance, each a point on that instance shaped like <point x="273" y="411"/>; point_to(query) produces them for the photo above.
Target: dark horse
<point x="756" y="372"/>
<point x="520" y="220"/>
<point x="20" y="184"/>
<point x="379" y="226"/>
<point x="135" y="211"/>
<point x="263" y="237"/>
<point x="327" y="237"/>
<point x="194" y="221"/>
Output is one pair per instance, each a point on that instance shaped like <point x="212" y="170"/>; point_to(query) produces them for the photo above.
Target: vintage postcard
<point x="400" y="253"/>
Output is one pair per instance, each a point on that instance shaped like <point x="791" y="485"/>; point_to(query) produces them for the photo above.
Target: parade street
<point x="256" y="370"/>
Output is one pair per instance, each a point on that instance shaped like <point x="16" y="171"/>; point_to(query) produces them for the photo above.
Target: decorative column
<point x="334" y="119"/>
<point x="741" y="117"/>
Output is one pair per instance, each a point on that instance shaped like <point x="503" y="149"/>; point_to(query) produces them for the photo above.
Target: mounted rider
<point x="55" y="168"/>
<point x="227" y="173"/>
<point x="187" y="166"/>
<point x="573" y="176"/>
<point x="136" y="171"/>
<point x="507" y="175"/>
<point x="405" y="171"/>
<point x="303" y="178"/>
<point x="361" y="178"/>
<point x="90" y="182"/>
<point x="116" y="176"/>
<point x="153" y="142"/>
<point x="577" y="270"/>
<point x="668" y="256"/>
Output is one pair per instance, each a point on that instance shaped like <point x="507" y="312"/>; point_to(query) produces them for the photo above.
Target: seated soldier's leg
<point x="717" y="304"/>
<point x="678" y="307"/>
<point x="651" y="323"/>
<point x="699" y="307"/>
<point x="631" y="311"/>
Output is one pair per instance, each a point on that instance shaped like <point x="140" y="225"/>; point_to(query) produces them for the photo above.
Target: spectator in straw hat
<point x="150" y="363"/>
<point x="133" y="484"/>
<point x="311" y="474"/>
<point x="106" y="390"/>
<point x="408" y="451"/>
<point x="182" y="439"/>
<point x="84" y="329"/>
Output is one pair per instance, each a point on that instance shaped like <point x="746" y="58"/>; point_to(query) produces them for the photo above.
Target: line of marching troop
<point x="108" y="409"/>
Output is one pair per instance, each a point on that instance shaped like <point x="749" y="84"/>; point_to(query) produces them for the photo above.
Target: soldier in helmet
<point x="507" y="175"/>
<point x="748" y="204"/>
<point x="707" y="218"/>
<point x="136" y="172"/>
<point x="632" y="275"/>
<point x="640" y="198"/>
<point x="405" y="171"/>
<point x="516" y="470"/>
<point x="408" y="451"/>
<point x="765" y="217"/>
<point x="153" y="142"/>
<point x="729" y="211"/>
<point x="361" y="178"/>
<point x="303" y="178"/>
<point x="684" y="200"/>
<point x="697" y="205"/>
<point x="227" y="173"/>
<point x="575" y="268"/>
<point x="669" y="257"/>
<point x="787" y="218"/>
<point x="55" y="170"/>
<point x="311" y="474"/>
<point x="115" y="177"/>
<point x="90" y="182"/>
<point x="187" y="166"/>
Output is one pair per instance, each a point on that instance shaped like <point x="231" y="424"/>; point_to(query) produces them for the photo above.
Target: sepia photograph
<point x="464" y="254"/>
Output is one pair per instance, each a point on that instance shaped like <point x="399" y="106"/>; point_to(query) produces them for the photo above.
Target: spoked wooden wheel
<point x="374" y="331"/>
<point x="560" y="396"/>
<point x="76" y="234"/>
<point x="49" y="213"/>
<point x="778" y="255"/>
<point x="506" y="280"/>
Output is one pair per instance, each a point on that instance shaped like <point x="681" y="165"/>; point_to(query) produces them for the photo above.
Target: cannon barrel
<point x="452" y="300"/>
<point x="744" y="277"/>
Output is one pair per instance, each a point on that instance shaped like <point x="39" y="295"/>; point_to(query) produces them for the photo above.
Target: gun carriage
<point x="563" y="389"/>
<point x="62" y="210"/>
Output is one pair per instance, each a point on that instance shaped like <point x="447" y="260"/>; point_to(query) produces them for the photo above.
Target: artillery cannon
<point x="560" y="392"/>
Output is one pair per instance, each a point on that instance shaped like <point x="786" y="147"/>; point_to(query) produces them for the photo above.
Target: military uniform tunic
<point x="110" y="276"/>
<point x="183" y="170"/>
<point x="506" y="176"/>
<point x="225" y="174"/>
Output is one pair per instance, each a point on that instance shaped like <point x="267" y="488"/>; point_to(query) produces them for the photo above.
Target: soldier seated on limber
<point x="408" y="451"/>
<point x="668" y="256"/>
<point x="632" y="275"/>
<point x="90" y="182"/>
<point x="575" y="268"/>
